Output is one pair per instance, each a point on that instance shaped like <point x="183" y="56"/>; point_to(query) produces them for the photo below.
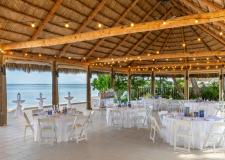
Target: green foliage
<point x="210" y="92"/>
<point x="102" y="83"/>
<point x="139" y="86"/>
<point x="120" y="87"/>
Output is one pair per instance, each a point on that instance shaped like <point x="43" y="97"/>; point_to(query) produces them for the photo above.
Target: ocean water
<point x="29" y="93"/>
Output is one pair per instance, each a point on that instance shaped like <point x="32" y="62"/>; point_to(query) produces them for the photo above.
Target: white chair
<point x="215" y="138"/>
<point x="154" y="128"/>
<point x="140" y="117"/>
<point x="90" y="116"/>
<point x="182" y="132"/>
<point x="95" y="103"/>
<point x="27" y="125"/>
<point x="47" y="129"/>
<point x="162" y="114"/>
<point x="116" y="118"/>
<point x="79" y="132"/>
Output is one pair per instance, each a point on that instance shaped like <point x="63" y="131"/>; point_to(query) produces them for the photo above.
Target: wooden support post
<point x="55" y="94"/>
<point x="153" y="84"/>
<point x="3" y="93"/>
<point x="221" y="85"/>
<point x="129" y="86"/>
<point x="112" y="82"/>
<point x="186" y="87"/>
<point x="88" y="88"/>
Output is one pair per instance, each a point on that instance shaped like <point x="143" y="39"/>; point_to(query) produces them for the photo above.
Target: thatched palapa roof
<point x="159" y="43"/>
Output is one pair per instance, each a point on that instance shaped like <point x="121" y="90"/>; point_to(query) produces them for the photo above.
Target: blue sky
<point x="21" y="77"/>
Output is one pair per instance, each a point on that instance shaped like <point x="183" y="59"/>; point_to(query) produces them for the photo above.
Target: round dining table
<point x="200" y="128"/>
<point x="62" y="122"/>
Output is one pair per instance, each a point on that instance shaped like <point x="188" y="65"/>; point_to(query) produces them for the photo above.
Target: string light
<point x="32" y="25"/>
<point x="221" y="33"/>
<point x="39" y="55"/>
<point x="183" y="44"/>
<point x="132" y="24"/>
<point x="157" y="52"/>
<point x="98" y="58"/>
<point x="166" y="59"/>
<point x="67" y="25"/>
<point x="99" y="25"/>
<point x="199" y="39"/>
<point x="180" y="59"/>
<point x="164" y="22"/>
<point x="25" y="54"/>
<point x="69" y="57"/>
<point x="196" y="21"/>
<point x="194" y="59"/>
<point x="149" y="54"/>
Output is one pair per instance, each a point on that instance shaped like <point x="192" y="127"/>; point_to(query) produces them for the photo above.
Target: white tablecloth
<point x="127" y="115"/>
<point x="61" y="122"/>
<point x="200" y="128"/>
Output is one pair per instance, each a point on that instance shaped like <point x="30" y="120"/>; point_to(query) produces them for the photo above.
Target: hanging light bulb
<point x="67" y="25"/>
<point x="196" y="21"/>
<point x="199" y="39"/>
<point x="32" y="25"/>
<point x="99" y="25"/>
<point x="221" y="33"/>
<point x="132" y="24"/>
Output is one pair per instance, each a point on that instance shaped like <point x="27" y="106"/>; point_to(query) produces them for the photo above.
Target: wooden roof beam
<point x="199" y="10"/>
<point x="186" y="64"/>
<point x="15" y="55"/>
<point x="151" y="56"/>
<point x="117" y="22"/>
<point x="121" y="30"/>
<point x="46" y="19"/>
<point x="85" y="23"/>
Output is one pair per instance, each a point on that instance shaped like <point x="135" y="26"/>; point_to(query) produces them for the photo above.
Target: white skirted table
<point x="62" y="123"/>
<point x="125" y="114"/>
<point x="200" y="127"/>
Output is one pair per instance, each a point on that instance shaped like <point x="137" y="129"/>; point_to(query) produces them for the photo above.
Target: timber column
<point x="88" y="88"/>
<point x="3" y="93"/>
<point x="221" y="85"/>
<point x="153" y="84"/>
<point x="186" y="87"/>
<point x="129" y="86"/>
<point x="55" y="75"/>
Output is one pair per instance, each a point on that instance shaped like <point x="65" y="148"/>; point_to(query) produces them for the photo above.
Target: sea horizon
<point x="30" y="93"/>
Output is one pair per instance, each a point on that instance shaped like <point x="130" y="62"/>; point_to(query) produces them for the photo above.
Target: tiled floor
<point x="104" y="144"/>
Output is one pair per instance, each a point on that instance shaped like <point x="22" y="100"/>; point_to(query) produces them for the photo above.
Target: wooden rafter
<point x="199" y="10"/>
<point x="162" y="56"/>
<point x="165" y="42"/>
<point x="43" y="58"/>
<point x="116" y="23"/>
<point x="46" y="19"/>
<point x="121" y="30"/>
<point x="128" y="36"/>
<point x="206" y="28"/>
<point x="183" y="40"/>
<point x="85" y="23"/>
<point x="210" y="5"/>
<point x="201" y="39"/>
<point x="143" y="37"/>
